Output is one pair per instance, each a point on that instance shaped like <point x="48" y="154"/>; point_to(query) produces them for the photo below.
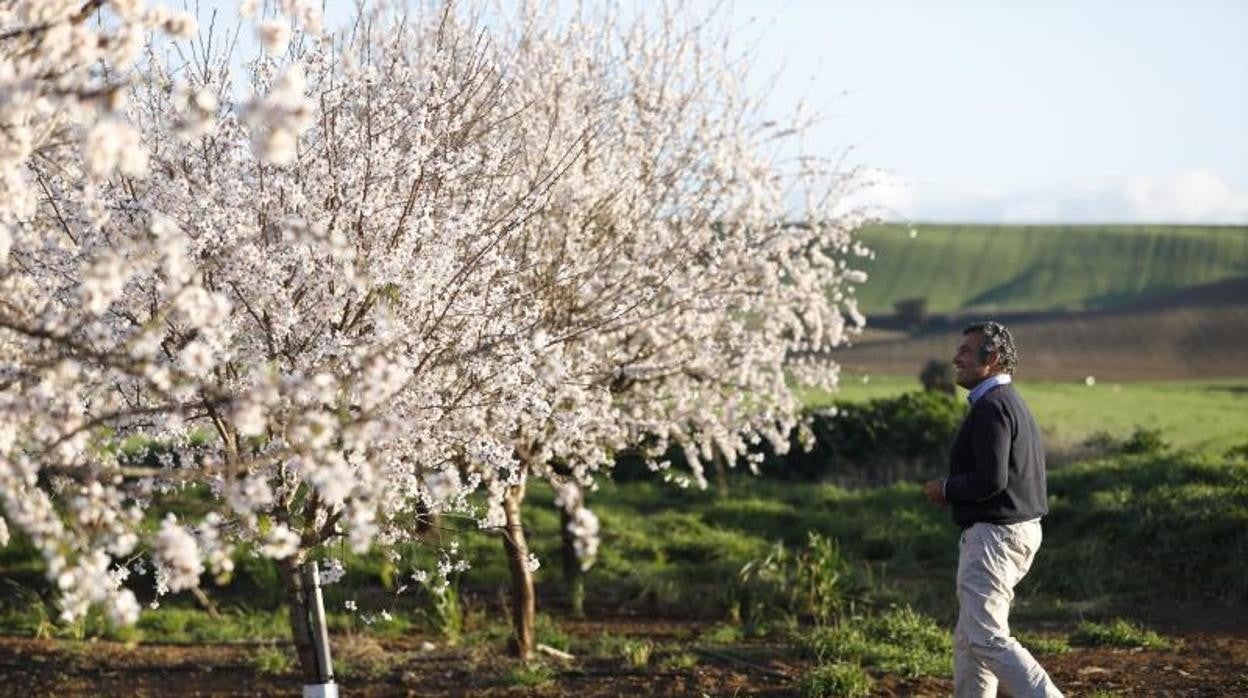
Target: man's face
<point x="967" y="366"/>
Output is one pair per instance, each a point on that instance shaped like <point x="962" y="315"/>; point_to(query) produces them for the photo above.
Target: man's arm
<point x="990" y="443"/>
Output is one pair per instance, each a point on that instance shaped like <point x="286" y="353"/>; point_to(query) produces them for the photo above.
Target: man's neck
<point x="988" y="383"/>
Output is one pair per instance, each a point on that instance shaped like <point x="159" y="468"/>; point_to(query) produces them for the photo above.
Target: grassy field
<point x="1044" y="268"/>
<point x="1200" y="415"/>
<point x="837" y="584"/>
<point x="833" y="590"/>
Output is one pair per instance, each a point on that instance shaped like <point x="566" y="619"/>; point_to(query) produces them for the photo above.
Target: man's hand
<point x="935" y="491"/>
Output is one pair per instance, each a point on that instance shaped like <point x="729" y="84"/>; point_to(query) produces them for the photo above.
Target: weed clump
<point x="814" y="583"/>
<point x="529" y="675"/>
<point x="271" y="660"/>
<point x="1042" y="644"/>
<point x="1118" y="633"/>
<point x="899" y="641"/>
<point x="836" y="679"/>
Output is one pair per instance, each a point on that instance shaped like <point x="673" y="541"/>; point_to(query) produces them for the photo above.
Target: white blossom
<point x="197" y="358"/>
<point x="274" y="35"/>
<point x="124" y="610"/>
<point x="332" y="571"/>
<point x="281" y="543"/>
<point x="181" y="25"/>
<point x="113" y="145"/>
<point x="177" y="555"/>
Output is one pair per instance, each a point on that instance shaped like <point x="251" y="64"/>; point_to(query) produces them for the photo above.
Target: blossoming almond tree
<point x="307" y="303"/>
<point x="426" y="256"/>
<point x="675" y="300"/>
<point x="63" y="77"/>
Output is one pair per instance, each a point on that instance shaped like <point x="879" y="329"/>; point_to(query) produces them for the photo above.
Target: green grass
<point x="272" y="660"/>
<point x="1194" y="415"/>
<point x="836" y="680"/>
<point x="1170" y="526"/>
<point x="1124" y="532"/>
<point x="1044" y="644"/>
<point x="529" y="675"/>
<point x="1043" y="267"/>
<point x="679" y="661"/>
<point x="637" y="653"/>
<point x="1118" y="633"/>
<point x="722" y="634"/>
<point x="175" y="624"/>
<point x="898" y="641"/>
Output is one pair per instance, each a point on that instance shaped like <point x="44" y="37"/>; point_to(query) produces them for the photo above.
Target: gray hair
<point x="998" y="339"/>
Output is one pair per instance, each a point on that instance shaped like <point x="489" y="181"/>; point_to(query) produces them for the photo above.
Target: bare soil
<point x="1168" y="344"/>
<point x="1203" y="664"/>
<point x="1196" y="333"/>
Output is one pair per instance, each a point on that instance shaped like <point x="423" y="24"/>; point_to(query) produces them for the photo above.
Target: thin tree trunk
<point x="300" y="630"/>
<point x="721" y="475"/>
<point x="573" y="577"/>
<point x="428" y="522"/>
<point x="523" y="599"/>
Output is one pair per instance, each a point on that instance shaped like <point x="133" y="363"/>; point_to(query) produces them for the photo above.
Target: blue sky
<point x="1016" y="112"/>
<point x="1092" y="111"/>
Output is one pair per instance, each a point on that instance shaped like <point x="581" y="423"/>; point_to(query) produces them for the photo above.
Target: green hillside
<point x="1021" y="268"/>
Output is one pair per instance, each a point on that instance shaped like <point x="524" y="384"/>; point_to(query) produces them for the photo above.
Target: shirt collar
<point x="988" y="384"/>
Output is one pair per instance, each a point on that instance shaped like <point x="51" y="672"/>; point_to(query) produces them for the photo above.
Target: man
<point x="996" y="488"/>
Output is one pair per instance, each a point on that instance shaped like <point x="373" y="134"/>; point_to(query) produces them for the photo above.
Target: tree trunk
<point x="301" y="631"/>
<point x="721" y="475"/>
<point x="428" y="522"/>
<point x="523" y="599"/>
<point x="573" y="577"/>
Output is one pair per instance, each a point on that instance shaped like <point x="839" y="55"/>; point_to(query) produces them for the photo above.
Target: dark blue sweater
<point x="996" y="466"/>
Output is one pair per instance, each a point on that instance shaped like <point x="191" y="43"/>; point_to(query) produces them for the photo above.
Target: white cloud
<point x="1189" y="197"/>
<point x="879" y="193"/>
<point x="1196" y="196"/>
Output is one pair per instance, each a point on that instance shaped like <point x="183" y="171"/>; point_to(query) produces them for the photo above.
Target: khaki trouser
<point x="991" y="560"/>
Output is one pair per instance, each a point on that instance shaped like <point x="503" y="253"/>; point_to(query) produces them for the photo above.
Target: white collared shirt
<point x="988" y="384"/>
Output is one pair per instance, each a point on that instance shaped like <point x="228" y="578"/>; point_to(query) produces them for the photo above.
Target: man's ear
<point x="994" y="360"/>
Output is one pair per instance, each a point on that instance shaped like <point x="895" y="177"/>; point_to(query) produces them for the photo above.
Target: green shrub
<point x="938" y="376"/>
<point x="1144" y="441"/>
<point x="911" y="312"/>
<point x="1239" y="452"/>
<point x="1117" y="633"/>
<point x="1101" y="443"/>
<point x="1171" y="525"/>
<point x="836" y="680"/>
<point x="877" y="442"/>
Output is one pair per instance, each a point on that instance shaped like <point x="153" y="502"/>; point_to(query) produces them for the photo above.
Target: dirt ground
<point x="1204" y="664"/>
<point x="1160" y="341"/>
